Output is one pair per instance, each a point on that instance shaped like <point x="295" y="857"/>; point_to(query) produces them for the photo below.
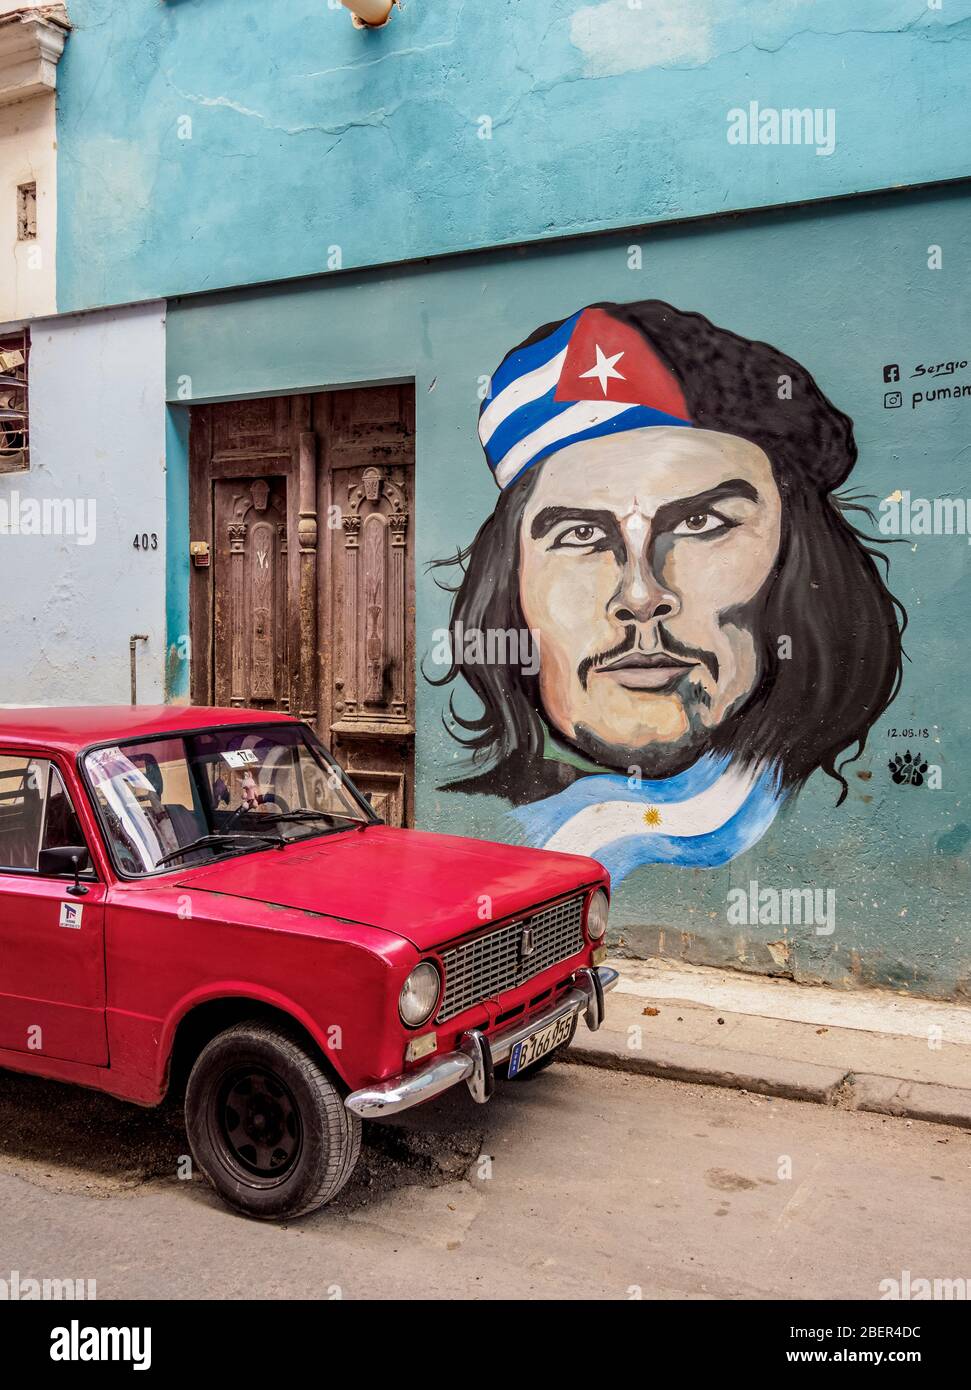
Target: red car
<point x="200" y="899"/>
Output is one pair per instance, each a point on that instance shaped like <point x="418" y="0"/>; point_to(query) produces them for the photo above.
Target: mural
<point x="670" y="620"/>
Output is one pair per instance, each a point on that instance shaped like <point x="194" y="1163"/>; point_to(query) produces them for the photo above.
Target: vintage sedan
<point x="198" y="901"/>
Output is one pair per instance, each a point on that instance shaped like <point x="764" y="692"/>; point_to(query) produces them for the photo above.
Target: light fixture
<point x="597" y="915"/>
<point x="419" y="995"/>
<point x="369" y="14"/>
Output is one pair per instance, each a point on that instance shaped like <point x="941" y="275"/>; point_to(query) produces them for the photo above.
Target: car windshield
<point x="175" y="800"/>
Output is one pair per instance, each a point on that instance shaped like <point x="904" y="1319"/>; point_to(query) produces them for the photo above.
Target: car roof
<point x="70" y="729"/>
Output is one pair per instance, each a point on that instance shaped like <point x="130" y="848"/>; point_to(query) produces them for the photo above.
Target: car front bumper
<point x="477" y="1055"/>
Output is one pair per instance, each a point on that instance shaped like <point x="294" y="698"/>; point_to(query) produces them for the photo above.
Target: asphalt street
<point x="579" y="1184"/>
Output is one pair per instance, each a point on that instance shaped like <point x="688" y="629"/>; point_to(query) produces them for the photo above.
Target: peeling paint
<point x="77" y="605"/>
<point x="600" y="115"/>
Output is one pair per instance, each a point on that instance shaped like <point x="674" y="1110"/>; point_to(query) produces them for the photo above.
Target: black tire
<point x="267" y="1125"/>
<point x="549" y="1059"/>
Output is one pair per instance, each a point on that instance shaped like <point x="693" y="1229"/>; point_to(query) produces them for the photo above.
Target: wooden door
<point x="367" y="677"/>
<point x="304" y="601"/>
<point x="246" y="624"/>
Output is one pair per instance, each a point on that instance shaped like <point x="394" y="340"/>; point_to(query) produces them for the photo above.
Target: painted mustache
<point x="647" y="670"/>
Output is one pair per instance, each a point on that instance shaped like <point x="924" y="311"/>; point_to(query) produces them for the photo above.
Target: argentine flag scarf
<point x="701" y="818"/>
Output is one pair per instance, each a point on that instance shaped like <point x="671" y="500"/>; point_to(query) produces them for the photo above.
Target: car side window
<point x="61" y="825"/>
<point x="23" y="787"/>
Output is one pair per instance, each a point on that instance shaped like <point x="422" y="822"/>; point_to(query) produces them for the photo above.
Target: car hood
<point x="425" y="887"/>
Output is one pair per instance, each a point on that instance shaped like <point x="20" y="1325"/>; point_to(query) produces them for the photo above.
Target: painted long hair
<point x="826" y="591"/>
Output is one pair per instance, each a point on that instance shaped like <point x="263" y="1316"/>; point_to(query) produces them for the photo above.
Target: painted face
<point x="640" y="555"/>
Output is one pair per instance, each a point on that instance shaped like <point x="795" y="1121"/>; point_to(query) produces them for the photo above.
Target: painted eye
<point x="580" y="535"/>
<point x="698" y="523"/>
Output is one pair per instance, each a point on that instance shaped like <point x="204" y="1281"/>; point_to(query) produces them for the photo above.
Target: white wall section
<point x="71" y="596"/>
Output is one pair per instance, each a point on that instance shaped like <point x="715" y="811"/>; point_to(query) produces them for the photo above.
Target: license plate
<point x="531" y="1049"/>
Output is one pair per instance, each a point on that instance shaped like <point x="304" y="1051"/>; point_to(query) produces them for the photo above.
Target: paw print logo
<point x="908" y="769"/>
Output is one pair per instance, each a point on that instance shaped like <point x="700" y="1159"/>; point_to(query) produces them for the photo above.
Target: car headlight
<point x="419" y="994"/>
<point x="597" y="915"/>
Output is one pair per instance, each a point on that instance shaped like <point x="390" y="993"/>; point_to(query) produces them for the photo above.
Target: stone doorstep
<point x="857" y="1065"/>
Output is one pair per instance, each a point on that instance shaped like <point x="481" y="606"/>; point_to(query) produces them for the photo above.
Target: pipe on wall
<point x="133" y="641"/>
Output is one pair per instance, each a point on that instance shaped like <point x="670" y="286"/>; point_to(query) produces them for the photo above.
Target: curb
<point x="783" y="1078"/>
<point x="916" y="1100"/>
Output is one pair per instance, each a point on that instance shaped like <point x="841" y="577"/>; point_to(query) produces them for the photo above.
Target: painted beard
<point x="656" y="759"/>
<point x="653" y="760"/>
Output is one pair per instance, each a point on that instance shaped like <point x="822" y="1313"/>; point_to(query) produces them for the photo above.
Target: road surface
<point x="580" y="1184"/>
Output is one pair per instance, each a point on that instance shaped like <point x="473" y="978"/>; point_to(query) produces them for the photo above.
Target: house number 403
<point x="148" y="540"/>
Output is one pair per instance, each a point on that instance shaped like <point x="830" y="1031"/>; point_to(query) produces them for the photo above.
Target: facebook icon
<point x="891" y="372"/>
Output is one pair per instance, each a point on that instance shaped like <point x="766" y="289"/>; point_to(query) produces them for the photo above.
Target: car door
<point x="52" y="973"/>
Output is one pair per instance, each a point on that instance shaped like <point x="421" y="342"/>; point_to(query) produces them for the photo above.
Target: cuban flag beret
<point x="591" y="376"/>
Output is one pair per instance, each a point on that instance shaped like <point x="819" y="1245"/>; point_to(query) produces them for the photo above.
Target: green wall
<point x="845" y="289"/>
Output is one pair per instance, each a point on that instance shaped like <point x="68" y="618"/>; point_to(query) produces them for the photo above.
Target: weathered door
<point x="244" y="481"/>
<point x="303" y="601"/>
<point x="367" y="679"/>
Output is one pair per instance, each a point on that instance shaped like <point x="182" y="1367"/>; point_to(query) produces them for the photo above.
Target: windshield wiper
<point x="303" y="815"/>
<point x="229" y="838"/>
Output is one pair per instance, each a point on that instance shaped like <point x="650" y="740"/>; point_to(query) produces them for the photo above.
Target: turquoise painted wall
<point x="208" y="143"/>
<point x="845" y="289"/>
<point x="178" y="650"/>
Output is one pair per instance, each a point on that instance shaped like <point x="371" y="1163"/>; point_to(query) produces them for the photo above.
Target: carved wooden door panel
<point x="366" y="448"/>
<point x="250" y="593"/>
<point x="247" y="465"/>
<point x="302" y="581"/>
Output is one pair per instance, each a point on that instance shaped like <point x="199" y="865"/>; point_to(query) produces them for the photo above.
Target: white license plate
<point x="531" y="1049"/>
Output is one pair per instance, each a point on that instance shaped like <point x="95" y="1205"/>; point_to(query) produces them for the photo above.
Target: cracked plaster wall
<point x="307" y="134"/>
<point x="27" y="155"/>
<point x="97" y="433"/>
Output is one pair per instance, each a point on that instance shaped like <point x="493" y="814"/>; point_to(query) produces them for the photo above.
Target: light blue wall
<point x="178" y="653"/>
<point x="71" y="601"/>
<point x="308" y="134"/>
<point x="845" y="290"/>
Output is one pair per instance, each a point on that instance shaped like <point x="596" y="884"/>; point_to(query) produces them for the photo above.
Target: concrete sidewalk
<point x="866" y="1050"/>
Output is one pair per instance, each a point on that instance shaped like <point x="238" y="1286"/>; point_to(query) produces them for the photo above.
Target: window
<point x="23" y="784"/>
<point x="144" y="791"/>
<point x="14" y="422"/>
<point x="234" y="789"/>
<point x="35" y="812"/>
<point x="27" y="212"/>
<point x="61" y="825"/>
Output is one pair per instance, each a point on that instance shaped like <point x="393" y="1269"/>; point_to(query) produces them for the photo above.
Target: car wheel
<point x="549" y="1059"/>
<point x="267" y="1125"/>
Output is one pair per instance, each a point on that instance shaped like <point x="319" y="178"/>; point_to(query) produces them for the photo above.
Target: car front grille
<point x="490" y="965"/>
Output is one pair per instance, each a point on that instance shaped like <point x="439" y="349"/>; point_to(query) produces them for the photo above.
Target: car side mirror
<point x="66" y="859"/>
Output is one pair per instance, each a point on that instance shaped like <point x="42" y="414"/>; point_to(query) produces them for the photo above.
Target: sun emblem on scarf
<point x="652" y="816"/>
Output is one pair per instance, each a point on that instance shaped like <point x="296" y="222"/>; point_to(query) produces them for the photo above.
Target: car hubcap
<point x="260" y="1123"/>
